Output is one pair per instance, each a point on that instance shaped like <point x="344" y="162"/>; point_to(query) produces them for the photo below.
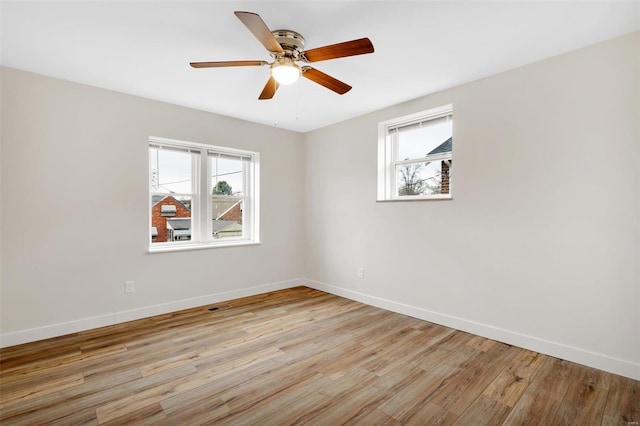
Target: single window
<point x="415" y="156"/>
<point x="201" y="195"/>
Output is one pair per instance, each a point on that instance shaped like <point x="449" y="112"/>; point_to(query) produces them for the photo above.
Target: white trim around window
<point x="191" y="191"/>
<point x="392" y="185"/>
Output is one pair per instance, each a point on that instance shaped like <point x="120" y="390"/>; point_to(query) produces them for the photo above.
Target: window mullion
<point x="204" y="208"/>
<point x="195" y="202"/>
<point x="247" y="228"/>
<point x="391" y="169"/>
<point x="207" y="179"/>
<point x="253" y="195"/>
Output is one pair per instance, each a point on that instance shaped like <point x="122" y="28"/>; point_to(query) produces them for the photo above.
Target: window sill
<point x="187" y="247"/>
<point x="430" y="198"/>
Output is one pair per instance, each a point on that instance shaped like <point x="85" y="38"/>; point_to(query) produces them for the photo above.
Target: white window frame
<point x="201" y="210"/>
<point x="388" y="155"/>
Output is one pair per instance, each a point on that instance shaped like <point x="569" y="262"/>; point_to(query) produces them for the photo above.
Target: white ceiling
<point x="144" y="48"/>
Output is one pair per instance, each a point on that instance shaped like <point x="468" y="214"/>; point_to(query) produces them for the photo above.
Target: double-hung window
<point x="415" y="156"/>
<point x="201" y="195"/>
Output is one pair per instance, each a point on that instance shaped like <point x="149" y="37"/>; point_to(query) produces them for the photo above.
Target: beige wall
<point x="540" y="246"/>
<point x="75" y="208"/>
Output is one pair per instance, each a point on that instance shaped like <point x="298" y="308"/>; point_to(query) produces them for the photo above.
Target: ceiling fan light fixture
<point x="285" y="72"/>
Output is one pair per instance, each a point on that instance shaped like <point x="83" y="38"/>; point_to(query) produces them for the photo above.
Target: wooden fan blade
<point x="259" y="29"/>
<point x="325" y="80"/>
<point x="340" y="50"/>
<point x="228" y="64"/>
<point x="269" y="89"/>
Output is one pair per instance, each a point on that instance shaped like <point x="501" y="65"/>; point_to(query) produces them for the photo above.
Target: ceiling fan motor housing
<point x="291" y="41"/>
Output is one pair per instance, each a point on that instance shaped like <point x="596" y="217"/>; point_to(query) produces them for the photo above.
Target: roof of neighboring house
<point x="445" y="146"/>
<point x="180" y="224"/>
<point x="184" y="224"/>
<point x="221" y="204"/>
<point x="219" y="225"/>
<point x="229" y="209"/>
<point x="155" y="199"/>
<point x="234" y="227"/>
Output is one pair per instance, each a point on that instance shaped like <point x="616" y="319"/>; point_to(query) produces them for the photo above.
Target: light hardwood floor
<point x="300" y="356"/>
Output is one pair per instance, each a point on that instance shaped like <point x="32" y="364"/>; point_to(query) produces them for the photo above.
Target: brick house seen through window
<point x="164" y="210"/>
<point x="445" y="165"/>
<point x="171" y="218"/>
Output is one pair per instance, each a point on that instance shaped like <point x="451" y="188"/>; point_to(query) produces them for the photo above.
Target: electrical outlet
<point x="361" y="273"/>
<point x="129" y="286"/>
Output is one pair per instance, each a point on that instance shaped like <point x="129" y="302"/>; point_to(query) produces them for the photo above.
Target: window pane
<point x="227" y="221"/>
<point x="227" y="175"/>
<point x="170" y="218"/>
<point x="421" y="139"/>
<point x="170" y="171"/>
<point x="227" y="195"/>
<point x="423" y="178"/>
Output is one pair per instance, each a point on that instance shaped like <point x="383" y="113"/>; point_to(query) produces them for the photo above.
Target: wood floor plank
<point x="344" y="381"/>
<point x="541" y="400"/>
<point x="484" y="411"/>
<point x="148" y="415"/>
<point x="289" y="405"/>
<point x="83" y="417"/>
<point x="377" y="418"/>
<point x="428" y="358"/>
<point x="432" y="415"/>
<point x="623" y="402"/>
<point x="211" y="391"/>
<point x="455" y="341"/>
<point x="406" y="402"/>
<point x="288" y="374"/>
<point x="167" y="364"/>
<point x="299" y="356"/>
<point x="401" y="376"/>
<point x="355" y="408"/>
<point x="481" y="344"/>
<point x="585" y="399"/>
<point x="39" y="389"/>
<point x="473" y="379"/>
<point x="404" y="349"/>
<point x="67" y="403"/>
<point x="131" y="403"/>
<point x="533" y="409"/>
<point x="510" y="384"/>
<point x="154" y="353"/>
<point x="204" y="412"/>
<point x="190" y="380"/>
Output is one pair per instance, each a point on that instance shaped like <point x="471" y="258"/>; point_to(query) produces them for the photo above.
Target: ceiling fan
<point x="285" y="46"/>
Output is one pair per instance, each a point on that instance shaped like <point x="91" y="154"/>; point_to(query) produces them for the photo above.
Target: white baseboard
<point x="558" y="350"/>
<point x="54" y="330"/>
<point x="578" y="355"/>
